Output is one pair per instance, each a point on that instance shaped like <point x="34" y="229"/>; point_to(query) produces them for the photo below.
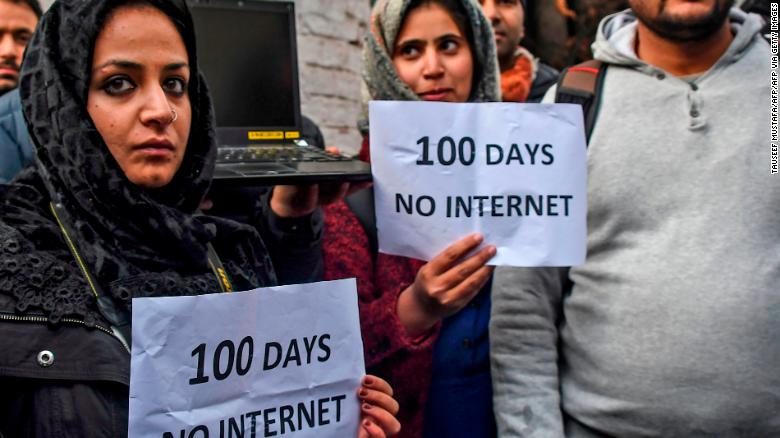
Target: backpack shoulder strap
<point x="581" y="84"/>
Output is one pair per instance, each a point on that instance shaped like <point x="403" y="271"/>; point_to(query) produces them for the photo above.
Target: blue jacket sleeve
<point x="16" y="151"/>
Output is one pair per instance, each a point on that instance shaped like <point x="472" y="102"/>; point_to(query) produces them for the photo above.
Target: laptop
<point x="247" y="51"/>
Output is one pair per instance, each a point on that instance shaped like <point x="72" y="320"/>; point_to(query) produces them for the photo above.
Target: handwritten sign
<point x="279" y="361"/>
<point x="514" y="172"/>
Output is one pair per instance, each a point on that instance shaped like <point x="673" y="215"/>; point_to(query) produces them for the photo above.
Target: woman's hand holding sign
<point x="445" y="284"/>
<point x="378" y="409"/>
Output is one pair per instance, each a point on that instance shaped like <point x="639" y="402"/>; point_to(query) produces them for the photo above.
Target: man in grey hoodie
<point x="671" y="327"/>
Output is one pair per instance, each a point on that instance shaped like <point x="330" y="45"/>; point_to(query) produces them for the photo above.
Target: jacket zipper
<point x="41" y="319"/>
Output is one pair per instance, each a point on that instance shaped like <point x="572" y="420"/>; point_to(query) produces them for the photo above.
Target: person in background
<point x="18" y="19"/>
<point x="124" y="130"/>
<point x="524" y="78"/>
<point x="671" y="326"/>
<point x="424" y="324"/>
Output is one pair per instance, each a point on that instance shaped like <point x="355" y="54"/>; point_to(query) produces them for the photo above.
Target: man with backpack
<point x="671" y="326"/>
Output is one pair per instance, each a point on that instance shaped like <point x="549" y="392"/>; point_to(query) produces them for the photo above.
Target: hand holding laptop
<point x="300" y="200"/>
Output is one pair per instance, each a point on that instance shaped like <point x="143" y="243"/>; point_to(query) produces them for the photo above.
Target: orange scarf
<point x="516" y="82"/>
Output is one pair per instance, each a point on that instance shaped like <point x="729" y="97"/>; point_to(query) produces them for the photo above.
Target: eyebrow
<point x="16" y="30"/>
<point x="132" y="65"/>
<point x="450" y="35"/>
<point x="410" y="41"/>
<point x="437" y="39"/>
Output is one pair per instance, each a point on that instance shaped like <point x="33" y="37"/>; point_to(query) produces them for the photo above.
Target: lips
<point x="437" y="94"/>
<point x="7" y="72"/>
<point x="156" y="148"/>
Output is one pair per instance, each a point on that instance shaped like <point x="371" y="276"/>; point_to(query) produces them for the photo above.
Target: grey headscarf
<point x="380" y="78"/>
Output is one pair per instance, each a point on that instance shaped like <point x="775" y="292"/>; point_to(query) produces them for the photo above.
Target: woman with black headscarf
<point x="124" y="132"/>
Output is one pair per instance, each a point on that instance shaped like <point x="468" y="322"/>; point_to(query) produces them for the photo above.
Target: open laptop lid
<point x="247" y="50"/>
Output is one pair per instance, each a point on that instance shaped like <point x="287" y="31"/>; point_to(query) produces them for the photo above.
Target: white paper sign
<point x="514" y="172"/>
<point x="280" y="361"/>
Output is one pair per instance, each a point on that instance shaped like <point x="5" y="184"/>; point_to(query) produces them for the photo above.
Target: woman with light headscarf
<point x="424" y="324"/>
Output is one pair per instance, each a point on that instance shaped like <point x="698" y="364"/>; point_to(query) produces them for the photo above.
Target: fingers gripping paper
<point x="280" y="361"/>
<point x="514" y="172"/>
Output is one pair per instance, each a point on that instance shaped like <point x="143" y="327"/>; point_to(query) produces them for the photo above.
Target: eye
<point x="449" y="45"/>
<point x="175" y="86"/>
<point x="22" y="38"/>
<point x="118" y="85"/>
<point x="409" y="50"/>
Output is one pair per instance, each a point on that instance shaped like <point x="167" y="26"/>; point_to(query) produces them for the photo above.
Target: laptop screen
<point x="246" y="49"/>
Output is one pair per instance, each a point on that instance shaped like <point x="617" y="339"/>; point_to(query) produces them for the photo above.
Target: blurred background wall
<point x="330" y="45"/>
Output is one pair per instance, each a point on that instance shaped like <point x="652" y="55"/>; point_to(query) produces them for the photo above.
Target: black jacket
<point x="546" y="77"/>
<point x="71" y="379"/>
<point x="61" y="381"/>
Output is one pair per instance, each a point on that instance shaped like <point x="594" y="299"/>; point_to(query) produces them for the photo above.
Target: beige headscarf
<point x="381" y="82"/>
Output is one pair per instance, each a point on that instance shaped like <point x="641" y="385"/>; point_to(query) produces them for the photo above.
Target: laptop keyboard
<point x="274" y="153"/>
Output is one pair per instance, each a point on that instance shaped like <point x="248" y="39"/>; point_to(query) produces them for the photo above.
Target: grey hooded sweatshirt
<point x="672" y="326"/>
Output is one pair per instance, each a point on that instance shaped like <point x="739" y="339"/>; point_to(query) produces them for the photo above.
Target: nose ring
<point x="174" y="115"/>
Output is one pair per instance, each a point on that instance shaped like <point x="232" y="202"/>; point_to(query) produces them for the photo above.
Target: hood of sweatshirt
<point x="615" y="45"/>
<point x="617" y="33"/>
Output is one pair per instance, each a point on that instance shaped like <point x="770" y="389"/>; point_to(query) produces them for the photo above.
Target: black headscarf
<point x="135" y="242"/>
